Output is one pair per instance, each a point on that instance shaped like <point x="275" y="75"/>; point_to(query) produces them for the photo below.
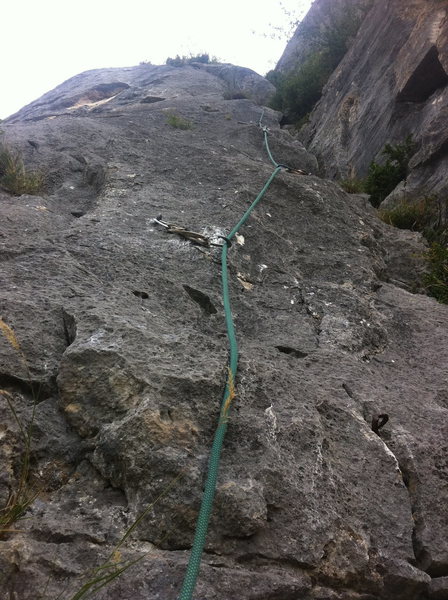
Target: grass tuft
<point x="113" y="567"/>
<point x="178" y="122"/>
<point x="235" y="94"/>
<point x="414" y="216"/>
<point x="21" y="498"/>
<point x="383" y="178"/>
<point x="353" y="185"/>
<point x="428" y="217"/>
<point x="436" y="281"/>
<point x="14" y="177"/>
<point x="9" y="335"/>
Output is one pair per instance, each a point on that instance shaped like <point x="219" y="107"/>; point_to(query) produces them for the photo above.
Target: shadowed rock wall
<point x="320" y="16"/>
<point x="121" y="325"/>
<point x="393" y="82"/>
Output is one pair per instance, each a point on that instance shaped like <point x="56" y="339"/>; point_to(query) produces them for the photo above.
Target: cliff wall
<point x="120" y="356"/>
<point x="393" y="82"/>
<point x="321" y="15"/>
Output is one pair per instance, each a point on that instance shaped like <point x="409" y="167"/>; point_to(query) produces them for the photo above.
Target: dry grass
<point x="429" y="217"/>
<point x="14" y="177"/>
<point x="352" y="185"/>
<point x="436" y="281"/>
<point x="114" y="566"/>
<point x="406" y="215"/>
<point x="20" y="498"/>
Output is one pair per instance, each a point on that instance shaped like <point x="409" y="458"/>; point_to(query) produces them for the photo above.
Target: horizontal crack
<point x="38" y="390"/>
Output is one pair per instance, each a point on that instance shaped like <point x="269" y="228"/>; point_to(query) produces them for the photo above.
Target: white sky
<point x="45" y="42"/>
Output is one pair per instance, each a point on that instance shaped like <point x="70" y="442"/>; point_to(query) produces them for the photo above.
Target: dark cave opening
<point x="427" y="77"/>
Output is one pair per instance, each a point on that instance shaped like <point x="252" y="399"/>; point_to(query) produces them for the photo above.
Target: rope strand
<point x="194" y="564"/>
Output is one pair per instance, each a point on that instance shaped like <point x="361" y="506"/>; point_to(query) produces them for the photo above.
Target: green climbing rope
<point x="213" y="466"/>
<point x="265" y="131"/>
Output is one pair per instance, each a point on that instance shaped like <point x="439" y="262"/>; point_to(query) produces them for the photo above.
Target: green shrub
<point x="233" y="94"/>
<point x="416" y="216"/>
<point x="178" y="122"/>
<point x="298" y="93"/>
<point x="429" y="217"/>
<point x="177" y="61"/>
<point x="405" y="216"/>
<point x="14" y="177"/>
<point x="436" y="281"/>
<point x="303" y="121"/>
<point x="382" y="179"/>
<point x="181" y="61"/>
<point x="353" y="185"/>
<point x="21" y="495"/>
<point x="299" y="90"/>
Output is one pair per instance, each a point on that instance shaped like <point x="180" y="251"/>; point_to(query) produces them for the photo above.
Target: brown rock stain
<point x="168" y="430"/>
<point x="72" y="408"/>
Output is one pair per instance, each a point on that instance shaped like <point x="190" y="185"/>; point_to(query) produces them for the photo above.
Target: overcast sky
<point x="44" y="42"/>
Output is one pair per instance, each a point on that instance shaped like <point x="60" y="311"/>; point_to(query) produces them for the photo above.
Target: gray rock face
<point x="121" y="325"/>
<point x="321" y="14"/>
<point x="393" y="82"/>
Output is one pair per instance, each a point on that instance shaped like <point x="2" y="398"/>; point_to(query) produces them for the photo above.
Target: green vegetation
<point x="298" y="93"/>
<point x="416" y="216"/>
<point x="234" y="94"/>
<point x="382" y="179"/>
<point x="21" y="496"/>
<point x="178" y="122"/>
<point x="436" y="281"/>
<point x="14" y="177"/>
<point x="429" y="217"/>
<point x="353" y="185"/>
<point x="299" y="90"/>
<point x="115" y="566"/>
<point x="181" y="61"/>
